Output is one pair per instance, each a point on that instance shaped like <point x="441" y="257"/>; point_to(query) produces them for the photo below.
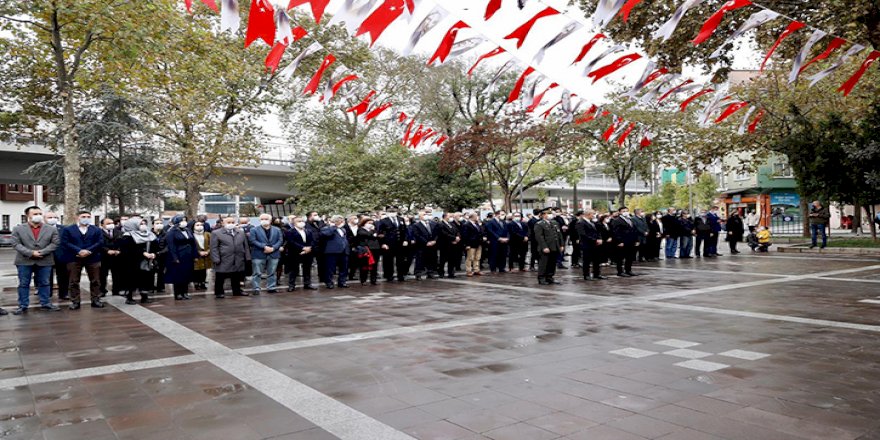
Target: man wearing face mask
<point x="519" y="239"/>
<point x="110" y="252"/>
<point x="266" y="241"/>
<point x="336" y="252"/>
<point x="392" y="234"/>
<point x="351" y="230"/>
<point x="424" y="234"/>
<point x="300" y="245"/>
<point x="59" y="270"/>
<point x="498" y="239"/>
<point x="230" y="254"/>
<point x="161" y="252"/>
<point x="34" y="243"/>
<point x="82" y="244"/>
<point x="548" y="237"/>
<point x="626" y="237"/>
<point x="449" y="242"/>
<point x="315" y="224"/>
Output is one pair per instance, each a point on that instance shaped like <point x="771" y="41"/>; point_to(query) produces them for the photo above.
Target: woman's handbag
<point x="148" y="265"/>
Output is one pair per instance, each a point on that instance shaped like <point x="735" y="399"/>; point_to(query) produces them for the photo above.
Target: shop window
<point x="742" y="175"/>
<point x="782" y="170"/>
<point x="5" y="223"/>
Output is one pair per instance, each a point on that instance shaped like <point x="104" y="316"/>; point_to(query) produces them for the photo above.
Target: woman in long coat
<point x="139" y="256"/>
<point x="366" y="240"/>
<point x="654" y="238"/>
<point x="203" y="258"/>
<point x="180" y="260"/>
<point x="735" y="231"/>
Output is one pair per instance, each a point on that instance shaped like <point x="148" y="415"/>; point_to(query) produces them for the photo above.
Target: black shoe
<point x="552" y="281"/>
<point x="220" y="296"/>
<point x="589" y="278"/>
<point x="3" y="312"/>
<point x="624" y="275"/>
<point x="344" y="286"/>
<point x="20" y="311"/>
<point x="291" y="289"/>
<point x="74" y="305"/>
<point x="418" y="277"/>
<point x="600" y="277"/>
<point x="50" y="308"/>
<point x="812" y="246"/>
<point x="310" y="287"/>
<point x="561" y="267"/>
<point x="632" y="274"/>
<point x="186" y="297"/>
<point x="97" y="304"/>
<point x="272" y="291"/>
<point x="178" y="297"/>
<point x="130" y="301"/>
<point x="256" y="292"/>
<point x="374" y="283"/>
<point x="241" y="294"/>
<point x="329" y="286"/>
<point x="543" y="283"/>
<point x="145" y="299"/>
<point x="64" y="298"/>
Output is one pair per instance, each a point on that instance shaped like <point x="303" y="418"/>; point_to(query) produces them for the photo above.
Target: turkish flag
<point x="312" y="86"/>
<point x="261" y="23"/>
<point x="715" y="19"/>
<point x="380" y="19"/>
<point x="586" y="49"/>
<point x="848" y="86"/>
<point x="318" y="7"/>
<point x="613" y="67"/>
<point x="790" y="29"/>
<point x="520" y="33"/>
<point x="517" y="88"/>
<point x="446" y="44"/>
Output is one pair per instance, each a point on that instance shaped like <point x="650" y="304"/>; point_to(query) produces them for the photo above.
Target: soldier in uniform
<point x="548" y="237"/>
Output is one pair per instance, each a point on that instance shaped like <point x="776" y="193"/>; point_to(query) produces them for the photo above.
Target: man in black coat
<point x="315" y="224"/>
<point x="449" y="242"/>
<point x="424" y="233"/>
<point x="627" y="239"/>
<point x="519" y="240"/>
<point x="392" y="234"/>
<point x="642" y="228"/>
<point x="110" y="251"/>
<point x="534" y="245"/>
<point x="671" y="232"/>
<point x="300" y="243"/>
<point x="550" y="244"/>
<point x="590" y="240"/>
<point x="351" y="230"/>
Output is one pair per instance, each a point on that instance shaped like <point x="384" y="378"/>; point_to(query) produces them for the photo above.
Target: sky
<point x="556" y="65"/>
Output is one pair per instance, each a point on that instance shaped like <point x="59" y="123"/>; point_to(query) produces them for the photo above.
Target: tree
<point x="449" y="190"/>
<point x="856" y="21"/>
<point x="56" y="49"/>
<point x="514" y="153"/>
<point x="117" y="159"/>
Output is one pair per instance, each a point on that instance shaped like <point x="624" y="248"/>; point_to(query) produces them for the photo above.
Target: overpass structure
<point x="269" y="180"/>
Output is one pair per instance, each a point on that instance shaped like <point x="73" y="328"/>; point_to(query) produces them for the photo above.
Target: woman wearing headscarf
<point x="368" y="250"/>
<point x="180" y="260"/>
<point x="139" y="259"/>
<point x="203" y="258"/>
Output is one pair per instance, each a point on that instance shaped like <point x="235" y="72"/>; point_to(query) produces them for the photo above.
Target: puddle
<point x="225" y="390"/>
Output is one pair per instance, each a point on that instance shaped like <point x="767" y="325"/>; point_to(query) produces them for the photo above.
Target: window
<point x="782" y="169"/>
<point x="220" y="208"/>
<point x="246" y="199"/>
<point x="23" y="219"/>
<point x="5" y="223"/>
<point x="219" y="198"/>
<point x="14" y="188"/>
<point x="742" y="175"/>
<point x="27" y="189"/>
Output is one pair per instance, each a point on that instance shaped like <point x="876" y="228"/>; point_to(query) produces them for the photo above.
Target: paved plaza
<point x="744" y="348"/>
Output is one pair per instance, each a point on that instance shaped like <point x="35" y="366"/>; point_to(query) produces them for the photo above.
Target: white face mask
<point x="52" y="221"/>
<point x="265" y="222"/>
<point x="110" y="227"/>
<point x="300" y="224"/>
<point x="199" y="229"/>
<point x="392" y="214"/>
<point x="37" y="219"/>
<point x="229" y="226"/>
<point x="182" y="225"/>
<point x="516" y="219"/>
<point x="369" y="227"/>
<point x="143" y="228"/>
<point x="85" y="221"/>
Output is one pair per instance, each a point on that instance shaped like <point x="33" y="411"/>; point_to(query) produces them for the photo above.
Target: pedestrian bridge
<point x="268" y="180"/>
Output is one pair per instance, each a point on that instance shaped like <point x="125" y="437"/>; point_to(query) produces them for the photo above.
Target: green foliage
<point x="174" y="204"/>
<point x="349" y="178"/>
<point x="117" y="159"/>
<point x="673" y="195"/>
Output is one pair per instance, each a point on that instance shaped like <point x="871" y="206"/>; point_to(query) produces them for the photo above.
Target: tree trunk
<point x="193" y="196"/>
<point x="857" y="218"/>
<point x="507" y="206"/>
<point x="805" y="217"/>
<point x="621" y="193"/>
<point x="72" y="167"/>
<point x="871" y="210"/>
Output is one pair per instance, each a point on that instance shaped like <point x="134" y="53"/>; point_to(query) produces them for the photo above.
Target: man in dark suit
<point x="449" y="242"/>
<point x="536" y="217"/>
<point x="336" y="252"/>
<point x="315" y="224"/>
<point x="59" y="270"/>
<point x="518" y="245"/>
<point x="392" y="235"/>
<point x="300" y="246"/>
<point x="627" y="238"/>
<point x="473" y="236"/>
<point x="671" y="231"/>
<point x="549" y="241"/>
<point x="564" y="224"/>
<point x="499" y="237"/>
<point x="110" y="255"/>
<point x="424" y="234"/>
<point x="590" y="242"/>
<point x="642" y="228"/>
<point x="82" y="244"/>
<point x="351" y="230"/>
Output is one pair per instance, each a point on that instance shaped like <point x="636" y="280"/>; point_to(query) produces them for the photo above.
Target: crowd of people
<point x="143" y="257"/>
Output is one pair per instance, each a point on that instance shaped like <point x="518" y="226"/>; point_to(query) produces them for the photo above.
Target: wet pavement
<point x="746" y="347"/>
